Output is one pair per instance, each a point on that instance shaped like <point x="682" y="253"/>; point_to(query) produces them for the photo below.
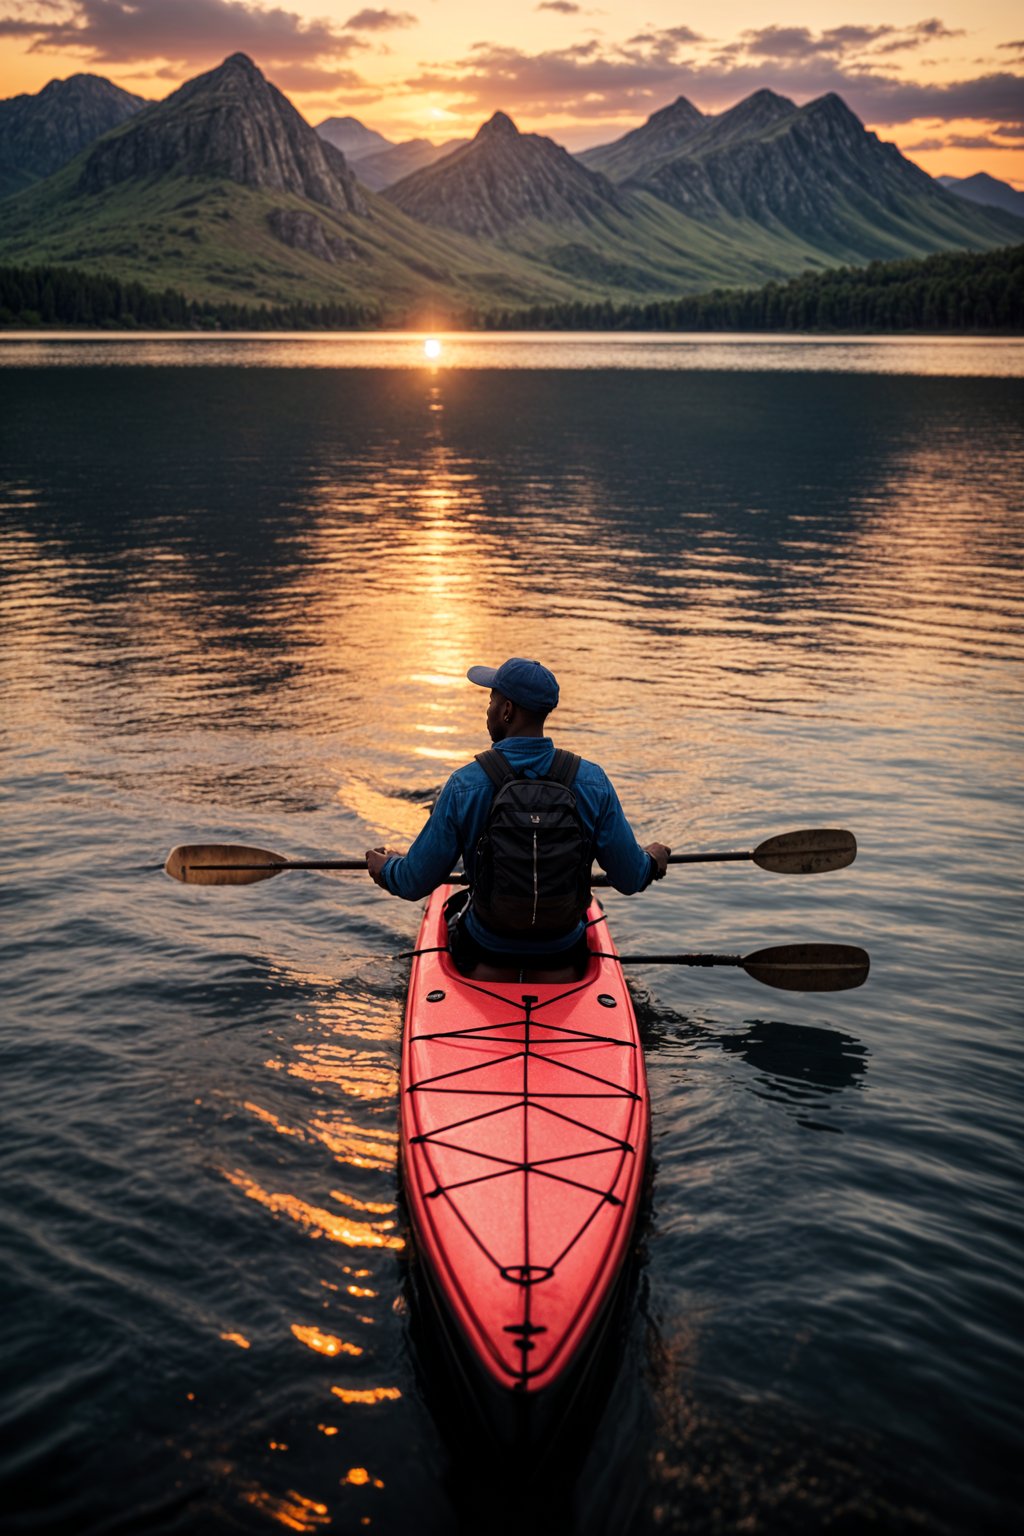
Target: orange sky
<point x="948" y="89"/>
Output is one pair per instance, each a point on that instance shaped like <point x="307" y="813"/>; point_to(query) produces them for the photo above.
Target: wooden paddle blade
<point x="189" y="864"/>
<point x="809" y="967"/>
<point x="806" y="853"/>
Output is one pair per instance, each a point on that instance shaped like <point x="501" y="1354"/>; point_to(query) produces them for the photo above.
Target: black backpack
<point x="533" y="857"/>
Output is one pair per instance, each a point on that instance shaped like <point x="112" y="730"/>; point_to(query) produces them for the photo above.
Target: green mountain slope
<point x="214" y="240"/>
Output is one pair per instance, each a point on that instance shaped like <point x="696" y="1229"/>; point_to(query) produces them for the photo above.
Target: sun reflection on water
<point x="315" y="1220"/>
<point x="292" y="1510"/>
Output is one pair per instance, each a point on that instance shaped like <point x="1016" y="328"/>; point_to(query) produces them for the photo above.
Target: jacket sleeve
<point x="432" y="856"/>
<point x="628" y="866"/>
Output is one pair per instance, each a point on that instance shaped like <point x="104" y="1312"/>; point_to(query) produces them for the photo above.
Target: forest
<point x="955" y="292"/>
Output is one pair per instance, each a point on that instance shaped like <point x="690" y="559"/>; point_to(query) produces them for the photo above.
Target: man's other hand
<point x="376" y="858"/>
<point x="659" y="853"/>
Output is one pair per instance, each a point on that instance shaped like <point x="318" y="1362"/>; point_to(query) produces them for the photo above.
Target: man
<point x="522" y="695"/>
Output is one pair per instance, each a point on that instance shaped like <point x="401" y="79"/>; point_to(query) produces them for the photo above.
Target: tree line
<point x="51" y="296"/>
<point x="956" y="291"/>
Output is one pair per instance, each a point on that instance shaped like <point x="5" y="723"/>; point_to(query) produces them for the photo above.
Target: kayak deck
<point x="524" y="1138"/>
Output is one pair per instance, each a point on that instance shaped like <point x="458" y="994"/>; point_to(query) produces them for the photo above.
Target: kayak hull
<point x="524" y="1134"/>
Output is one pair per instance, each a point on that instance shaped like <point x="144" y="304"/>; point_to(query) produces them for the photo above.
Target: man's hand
<point x="376" y="858"/>
<point x="659" y="853"/>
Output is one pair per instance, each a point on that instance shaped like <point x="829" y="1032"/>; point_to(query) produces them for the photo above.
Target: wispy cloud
<point x="380" y="21"/>
<point x="188" y="32"/>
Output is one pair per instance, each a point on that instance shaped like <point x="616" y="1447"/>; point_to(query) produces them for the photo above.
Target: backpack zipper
<point x="533" y="919"/>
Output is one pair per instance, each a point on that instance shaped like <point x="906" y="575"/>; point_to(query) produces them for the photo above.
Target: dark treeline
<point x="956" y="291"/>
<point x="64" y="296"/>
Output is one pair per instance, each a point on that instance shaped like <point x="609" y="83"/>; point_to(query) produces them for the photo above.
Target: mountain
<point x="352" y="137"/>
<point x="233" y="123"/>
<point x="40" y="133"/>
<point x="501" y="179"/>
<point x="224" y="193"/>
<point x="816" y="175"/>
<point x="764" y="190"/>
<point x="987" y="190"/>
<point x="387" y="166"/>
<point x="662" y="136"/>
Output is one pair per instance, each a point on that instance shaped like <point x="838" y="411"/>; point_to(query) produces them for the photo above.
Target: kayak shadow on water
<point x="796" y="1064"/>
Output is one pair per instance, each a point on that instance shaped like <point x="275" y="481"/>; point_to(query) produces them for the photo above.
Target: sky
<point x="948" y="89"/>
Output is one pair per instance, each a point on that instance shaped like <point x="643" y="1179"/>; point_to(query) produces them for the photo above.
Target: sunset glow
<point x="946" y="89"/>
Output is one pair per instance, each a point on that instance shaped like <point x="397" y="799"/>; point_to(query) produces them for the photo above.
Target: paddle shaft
<point x="677" y="959"/>
<point x="806" y="852"/>
<point x="458" y="877"/>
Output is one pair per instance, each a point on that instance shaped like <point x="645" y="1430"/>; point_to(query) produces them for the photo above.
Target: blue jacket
<point x="460" y="814"/>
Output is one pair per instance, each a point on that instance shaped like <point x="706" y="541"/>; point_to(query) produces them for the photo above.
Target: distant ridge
<point x="352" y="137"/>
<point x="386" y="166"/>
<point x="40" y="133"/>
<point x="987" y="190"/>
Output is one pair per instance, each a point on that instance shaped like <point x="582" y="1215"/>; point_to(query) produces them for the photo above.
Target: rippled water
<point x="238" y="604"/>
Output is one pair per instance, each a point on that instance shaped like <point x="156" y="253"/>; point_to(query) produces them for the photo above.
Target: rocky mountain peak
<point x="663" y="134"/>
<point x="500" y="126"/>
<point x="831" y="116"/>
<point x="40" y="133"/>
<point x="501" y="179"/>
<point x="229" y="123"/>
<point x="678" y="113"/>
<point x="754" y="113"/>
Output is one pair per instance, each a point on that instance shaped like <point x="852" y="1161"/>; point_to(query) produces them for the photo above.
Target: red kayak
<point x="524" y="1140"/>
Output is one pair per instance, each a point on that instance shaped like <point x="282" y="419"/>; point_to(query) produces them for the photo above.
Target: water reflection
<point x="771" y="604"/>
<point x="796" y="1065"/>
<point x="950" y="355"/>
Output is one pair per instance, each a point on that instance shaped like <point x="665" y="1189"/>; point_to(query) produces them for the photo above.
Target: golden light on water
<point x="366" y="1395"/>
<point x="237" y="1338"/>
<point x="316" y="1221"/>
<point x="359" y="1477"/>
<point x="294" y="1511"/>
<point x="324" y="1343"/>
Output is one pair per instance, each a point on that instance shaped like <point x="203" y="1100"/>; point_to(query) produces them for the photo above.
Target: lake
<point x="242" y="581"/>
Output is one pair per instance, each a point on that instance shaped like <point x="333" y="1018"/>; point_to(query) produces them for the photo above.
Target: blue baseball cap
<point x="526" y="683"/>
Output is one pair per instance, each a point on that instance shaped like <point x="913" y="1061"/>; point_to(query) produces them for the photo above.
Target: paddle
<point x="791" y="853"/>
<point x="792" y="967"/>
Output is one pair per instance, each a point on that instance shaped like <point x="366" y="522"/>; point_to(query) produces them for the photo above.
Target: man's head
<point x="523" y="693"/>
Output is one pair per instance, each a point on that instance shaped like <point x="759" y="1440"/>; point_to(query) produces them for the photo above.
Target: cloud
<point x="600" y="80"/>
<point x="580" y="80"/>
<point x="188" y="32"/>
<point x="786" y="43"/>
<point x="564" y="7"/>
<point x="666" y="42"/>
<point x="380" y="21"/>
<point x="958" y="141"/>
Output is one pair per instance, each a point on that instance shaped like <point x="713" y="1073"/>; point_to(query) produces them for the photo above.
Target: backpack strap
<point x="496" y="766"/>
<point x="564" y="767"/>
